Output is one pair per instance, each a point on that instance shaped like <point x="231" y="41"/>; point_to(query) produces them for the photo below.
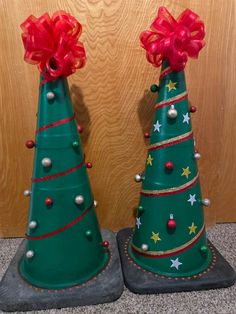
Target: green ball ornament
<point x="88" y="233"/>
<point x="154" y="88"/>
<point x="204" y="249"/>
<point x="75" y="144"/>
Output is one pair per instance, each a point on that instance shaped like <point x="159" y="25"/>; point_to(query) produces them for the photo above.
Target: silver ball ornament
<point x="79" y="199"/>
<point x="138" y="178"/>
<point x="32" y="224"/>
<point x="206" y="202"/>
<point x="50" y="95"/>
<point x="46" y="162"/>
<point x="172" y="112"/>
<point x="144" y="247"/>
<point x="197" y="156"/>
<point x="29" y="254"/>
<point x="27" y="193"/>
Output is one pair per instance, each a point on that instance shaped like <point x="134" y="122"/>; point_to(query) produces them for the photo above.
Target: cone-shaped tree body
<point x="169" y="236"/>
<point x="64" y="246"/>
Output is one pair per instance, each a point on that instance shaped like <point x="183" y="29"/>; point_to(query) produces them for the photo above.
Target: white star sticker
<point x="138" y="222"/>
<point x="157" y="126"/>
<point x="192" y="199"/>
<point x="186" y="118"/>
<point x="175" y="263"/>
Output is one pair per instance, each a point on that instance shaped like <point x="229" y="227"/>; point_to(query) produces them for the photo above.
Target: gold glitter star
<point x="149" y="160"/>
<point x="192" y="228"/>
<point x="186" y="172"/>
<point x="171" y="85"/>
<point x="155" y="237"/>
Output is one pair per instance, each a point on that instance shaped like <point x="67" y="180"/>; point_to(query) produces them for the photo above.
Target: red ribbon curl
<point x="53" y="44"/>
<point x="172" y="39"/>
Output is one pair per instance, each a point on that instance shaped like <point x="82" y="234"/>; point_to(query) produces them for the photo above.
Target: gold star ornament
<point x="171" y="86"/>
<point x="192" y="228"/>
<point x="149" y="160"/>
<point x="155" y="237"/>
<point x="186" y="172"/>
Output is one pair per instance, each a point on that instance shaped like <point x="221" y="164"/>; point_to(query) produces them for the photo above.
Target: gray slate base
<point x="18" y="295"/>
<point x="219" y="274"/>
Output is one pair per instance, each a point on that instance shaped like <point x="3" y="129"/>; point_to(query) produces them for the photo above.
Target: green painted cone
<point x="170" y="233"/>
<point x="59" y="253"/>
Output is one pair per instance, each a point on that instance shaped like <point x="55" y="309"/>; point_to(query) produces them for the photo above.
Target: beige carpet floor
<point x="221" y="301"/>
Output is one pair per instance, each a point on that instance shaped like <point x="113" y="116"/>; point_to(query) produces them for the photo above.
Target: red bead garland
<point x="30" y="144"/>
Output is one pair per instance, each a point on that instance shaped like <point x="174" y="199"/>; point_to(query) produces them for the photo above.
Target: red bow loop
<point x="53" y="44"/>
<point x="175" y="40"/>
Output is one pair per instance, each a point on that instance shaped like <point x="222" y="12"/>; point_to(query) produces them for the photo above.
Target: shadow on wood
<point x="81" y="111"/>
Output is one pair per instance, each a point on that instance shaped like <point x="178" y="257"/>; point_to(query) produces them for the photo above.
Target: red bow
<point x="53" y="44"/>
<point x="173" y="39"/>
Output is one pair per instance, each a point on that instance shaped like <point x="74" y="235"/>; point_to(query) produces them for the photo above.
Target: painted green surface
<point x="157" y="210"/>
<point x="69" y="257"/>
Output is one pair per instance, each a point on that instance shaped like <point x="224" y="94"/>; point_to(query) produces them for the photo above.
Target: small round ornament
<point x="138" y="178"/>
<point x="144" y="247"/>
<point x="204" y="249"/>
<point x="154" y="88"/>
<point x="95" y="203"/>
<point x="79" y="199"/>
<point x="32" y="224"/>
<point x="88" y="233"/>
<point x="172" y="112"/>
<point x="27" y="193"/>
<point x="75" y="144"/>
<point x="206" y="202"/>
<point x="140" y="209"/>
<point x="29" y="254"/>
<point x="48" y="201"/>
<point x="80" y="128"/>
<point x="89" y="165"/>
<point x="197" y="156"/>
<point x="46" y="162"/>
<point x="30" y="144"/>
<point x="50" y="96"/>
<point x="171" y="223"/>
<point x="169" y="165"/>
<point x="105" y="243"/>
<point x="146" y="134"/>
<point x="192" y="109"/>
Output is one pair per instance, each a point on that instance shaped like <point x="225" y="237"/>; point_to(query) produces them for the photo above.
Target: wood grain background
<point x="111" y="96"/>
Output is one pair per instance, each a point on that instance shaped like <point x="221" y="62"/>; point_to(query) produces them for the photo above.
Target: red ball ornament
<point x="105" y="243"/>
<point x="171" y="224"/>
<point x="146" y="134"/>
<point x="80" y="128"/>
<point x="193" y="109"/>
<point x="169" y="165"/>
<point x="89" y="165"/>
<point x="48" y="201"/>
<point x="29" y="144"/>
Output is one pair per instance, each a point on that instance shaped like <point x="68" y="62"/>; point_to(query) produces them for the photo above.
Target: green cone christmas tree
<point x="63" y="262"/>
<point x="64" y="246"/>
<point x="169" y="239"/>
